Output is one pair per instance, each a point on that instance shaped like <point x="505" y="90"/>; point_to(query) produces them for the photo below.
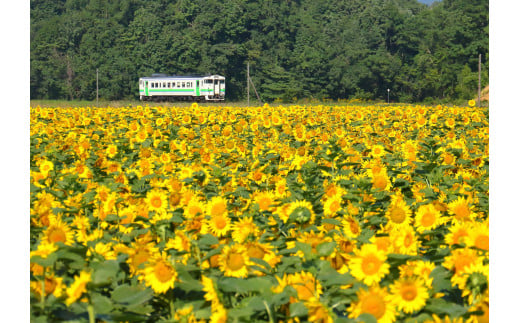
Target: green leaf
<point x="326" y="248"/>
<point x="439" y="305"/>
<point x="297" y="309"/>
<point x="105" y="272"/>
<point x="207" y="240"/>
<point x="366" y="318"/>
<point x="237" y="285"/>
<point x="305" y="248"/>
<point x="45" y="262"/>
<point x="102" y="304"/>
<point x="131" y="295"/>
<point x="441" y="279"/>
<point x="186" y="282"/>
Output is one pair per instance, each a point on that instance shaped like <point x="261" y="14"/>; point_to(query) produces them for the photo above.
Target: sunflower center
<point x="370" y="265"/>
<point x="218" y="209"/>
<point x="461" y="212"/>
<point x="409" y="292"/>
<point x="163" y="272"/>
<point x="305" y="290"/>
<point x="156" y="201"/>
<point x="408" y="240"/>
<point x="140" y="257"/>
<point x="264" y="203"/>
<point x="334" y="206"/>
<point x="257" y="176"/>
<point x="194" y="210"/>
<point x="57" y="235"/>
<point x="256" y="252"/>
<point x="482" y="242"/>
<point x="220" y="222"/>
<point x="397" y="215"/>
<point x="380" y="182"/>
<point x="50" y="285"/>
<point x="428" y="219"/>
<point x="375" y="305"/>
<point x="235" y="261"/>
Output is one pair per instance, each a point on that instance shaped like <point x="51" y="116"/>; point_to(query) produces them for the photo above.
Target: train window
<point x="209" y="81"/>
<point x="152" y="85"/>
<point x="183" y="84"/>
<point x="169" y="85"/>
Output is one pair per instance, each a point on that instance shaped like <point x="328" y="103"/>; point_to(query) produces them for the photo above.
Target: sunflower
<point x="405" y="240"/>
<point x="377" y="151"/>
<point x="218" y="314"/>
<point x="477" y="282"/>
<point x="45" y="248"/>
<point x="111" y="151"/>
<point x="265" y="200"/>
<point x="398" y="213"/>
<point x="156" y="200"/>
<point x="160" y="273"/>
<point x="139" y="255"/>
<point x="45" y="167"/>
<point x="218" y="225"/>
<point x="461" y="209"/>
<point x="234" y="261"/>
<point x="479" y="235"/>
<point x="301" y="212"/>
<point x="381" y="181"/>
<point x="459" y="233"/>
<point x="423" y="269"/>
<point x="306" y="285"/>
<point x="242" y="229"/>
<point x="58" y="231"/>
<point x="51" y="285"/>
<point x="318" y="312"/>
<point x="427" y="218"/>
<point x="351" y="227"/>
<point x="409" y="294"/>
<point x="332" y="206"/>
<point x="193" y="208"/>
<point x="262" y="251"/>
<point x="369" y="264"/>
<point x="375" y="301"/>
<point x="211" y="294"/>
<point x="459" y="261"/>
<point x="78" y="287"/>
<point x="181" y="242"/>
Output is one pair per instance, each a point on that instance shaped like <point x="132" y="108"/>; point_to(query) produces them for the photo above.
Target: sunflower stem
<point x="172" y="309"/>
<point x="91" y="314"/>
<point x="271" y="320"/>
<point x="42" y="300"/>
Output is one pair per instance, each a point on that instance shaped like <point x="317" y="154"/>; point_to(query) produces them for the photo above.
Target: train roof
<point x="164" y="76"/>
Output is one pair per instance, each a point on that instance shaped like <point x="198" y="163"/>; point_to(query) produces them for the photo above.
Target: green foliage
<point x="296" y="49"/>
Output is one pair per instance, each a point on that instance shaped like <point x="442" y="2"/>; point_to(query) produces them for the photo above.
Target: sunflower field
<point x="266" y="214"/>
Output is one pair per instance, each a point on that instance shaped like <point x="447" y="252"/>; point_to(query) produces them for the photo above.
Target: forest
<point x="296" y="49"/>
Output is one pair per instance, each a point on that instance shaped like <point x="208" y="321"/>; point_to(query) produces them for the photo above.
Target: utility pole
<point x="248" y="84"/>
<point x="479" y="62"/>
<point x="97" y="88"/>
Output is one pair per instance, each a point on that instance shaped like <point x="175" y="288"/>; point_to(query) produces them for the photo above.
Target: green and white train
<point x="161" y="87"/>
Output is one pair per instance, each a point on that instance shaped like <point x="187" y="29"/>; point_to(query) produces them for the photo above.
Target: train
<point x="162" y="87"/>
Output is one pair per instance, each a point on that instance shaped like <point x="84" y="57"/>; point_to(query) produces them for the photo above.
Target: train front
<point x="215" y="87"/>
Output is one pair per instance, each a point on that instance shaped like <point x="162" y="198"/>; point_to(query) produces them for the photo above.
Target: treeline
<point x="296" y="48"/>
